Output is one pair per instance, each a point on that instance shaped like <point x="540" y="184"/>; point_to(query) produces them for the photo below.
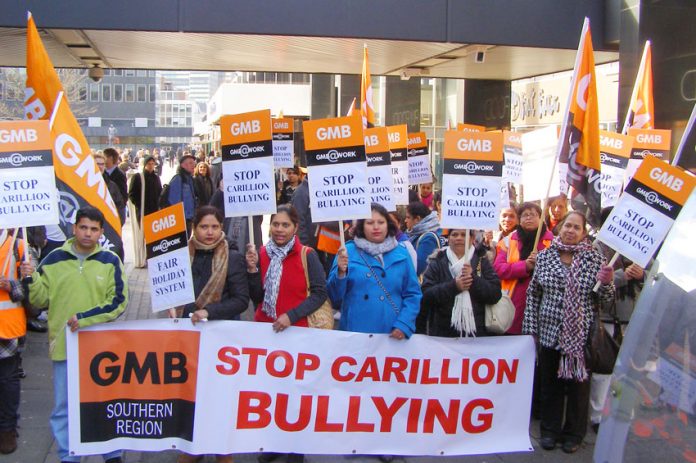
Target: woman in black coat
<point x="203" y="184"/>
<point x="451" y="277"/>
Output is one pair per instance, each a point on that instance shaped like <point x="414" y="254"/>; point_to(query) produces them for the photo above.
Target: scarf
<point x="376" y="249"/>
<point x="462" y="312"/>
<point x="427" y="200"/>
<point x="271" y="284"/>
<point x="427" y="224"/>
<point x="212" y="291"/>
<point x="571" y="338"/>
<point x="527" y="239"/>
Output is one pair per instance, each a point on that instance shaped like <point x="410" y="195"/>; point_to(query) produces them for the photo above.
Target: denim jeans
<point x="59" y="417"/>
<point x="9" y="393"/>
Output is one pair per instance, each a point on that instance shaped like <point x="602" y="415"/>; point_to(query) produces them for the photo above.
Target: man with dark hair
<point x="181" y="187"/>
<point x="117" y="176"/>
<point x="82" y="285"/>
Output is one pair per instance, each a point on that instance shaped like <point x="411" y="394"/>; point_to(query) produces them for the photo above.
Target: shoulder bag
<point x="602" y="349"/>
<point x="323" y="317"/>
<point x="499" y="316"/>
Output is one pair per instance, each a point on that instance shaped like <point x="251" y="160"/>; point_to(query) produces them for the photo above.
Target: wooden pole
<point x="250" y="220"/>
<point x="340" y="234"/>
<point x="9" y="254"/>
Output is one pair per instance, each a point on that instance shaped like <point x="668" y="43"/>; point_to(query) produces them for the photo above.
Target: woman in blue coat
<point x="373" y="281"/>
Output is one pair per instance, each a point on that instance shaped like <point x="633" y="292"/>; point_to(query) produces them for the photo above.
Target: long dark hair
<point x="392" y="229"/>
<point x="204" y="211"/>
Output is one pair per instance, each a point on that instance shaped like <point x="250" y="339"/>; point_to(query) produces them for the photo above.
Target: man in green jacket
<point x="82" y="285"/>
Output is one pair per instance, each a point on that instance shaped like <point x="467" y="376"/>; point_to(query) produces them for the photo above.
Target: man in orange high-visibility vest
<point x="13" y="325"/>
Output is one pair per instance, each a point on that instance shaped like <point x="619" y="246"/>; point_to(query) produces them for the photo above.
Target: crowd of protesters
<point x="399" y="274"/>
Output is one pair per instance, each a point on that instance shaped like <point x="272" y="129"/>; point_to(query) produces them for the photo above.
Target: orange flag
<point x="579" y="140"/>
<point x="367" y="109"/>
<point x="78" y="178"/>
<point x="641" y="110"/>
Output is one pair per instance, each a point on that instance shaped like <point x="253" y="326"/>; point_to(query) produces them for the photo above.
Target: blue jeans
<point x="59" y="416"/>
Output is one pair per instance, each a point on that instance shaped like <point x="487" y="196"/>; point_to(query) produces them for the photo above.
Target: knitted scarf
<point x="271" y="284"/>
<point x="571" y="338"/>
<point x="376" y="250"/>
<point x="427" y="224"/>
<point x="212" y="291"/>
<point x="463" y="311"/>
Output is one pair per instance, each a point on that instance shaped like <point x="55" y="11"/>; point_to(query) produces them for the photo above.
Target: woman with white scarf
<point x="457" y="285"/>
<point x="373" y="282"/>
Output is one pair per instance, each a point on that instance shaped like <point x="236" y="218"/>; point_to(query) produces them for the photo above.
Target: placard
<point x="337" y="168"/>
<point x="512" y="150"/>
<point x="398" y="145"/>
<point x="645" y="212"/>
<point x="615" y="149"/>
<point x="168" y="260"/>
<point x="538" y="152"/>
<point x="471" y="183"/>
<point x="647" y="142"/>
<point x="247" y="167"/>
<point x="237" y="387"/>
<point x="418" y="159"/>
<point x="283" y="142"/>
<point x="28" y="193"/>
<point x="462" y="127"/>
<point x="379" y="174"/>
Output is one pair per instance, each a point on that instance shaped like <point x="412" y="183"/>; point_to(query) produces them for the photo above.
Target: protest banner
<point x="473" y="169"/>
<point x="168" y="261"/>
<point x="283" y="142"/>
<point x="418" y="159"/>
<point x="379" y="174"/>
<point x="78" y="179"/>
<point x="398" y="145"/>
<point x="247" y="166"/>
<point x="512" y="150"/>
<point x="647" y="142"/>
<point x="643" y="215"/>
<point x="539" y="154"/>
<point x="462" y="127"/>
<point x="28" y="194"/>
<point x="614" y="151"/>
<point x="237" y="387"/>
<point x="337" y="168"/>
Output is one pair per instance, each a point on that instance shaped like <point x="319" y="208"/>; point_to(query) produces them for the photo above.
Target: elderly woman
<point x="373" y="281"/>
<point x="559" y="314"/>
<point x="516" y="258"/>
<point x="457" y="285"/>
<point x="423" y="228"/>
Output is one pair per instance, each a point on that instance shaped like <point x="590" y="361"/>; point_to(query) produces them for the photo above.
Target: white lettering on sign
<point x="652" y="138"/>
<point x="18" y="136"/>
<point x="371" y="140"/>
<point x="67" y="149"/>
<point x="331" y="133"/>
<point x="668" y="180"/>
<point x="242" y="128"/>
<point x="394" y="137"/>
<point x="281" y="125"/>
<point x="610" y="142"/>
<point x="414" y="140"/>
<point x="465" y="144"/>
<point x="515" y="139"/>
<point x="33" y="107"/>
<point x="163" y="223"/>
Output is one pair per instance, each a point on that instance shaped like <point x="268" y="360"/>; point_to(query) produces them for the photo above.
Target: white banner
<point x="171" y="282"/>
<point x="339" y="192"/>
<point x="283" y="155"/>
<point x="611" y="182"/>
<point x="399" y="171"/>
<point x="504" y="195"/>
<point x="419" y="170"/>
<point x="249" y="187"/>
<point x="379" y="179"/>
<point x="238" y="387"/>
<point x="470" y="202"/>
<point x="28" y="195"/>
<point x="539" y="150"/>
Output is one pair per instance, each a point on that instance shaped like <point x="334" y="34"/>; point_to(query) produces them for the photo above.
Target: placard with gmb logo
<point x="473" y="170"/>
<point x="645" y="212"/>
<point x="337" y="168"/>
<point x="614" y="151"/>
<point x="398" y="145"/>
<point x="168" y="261"/>
<point x="283" y="142"/>
<point x="247" y="164"/>
<point x="418" y="159"/>
<point x="28" y="193"/>
<point x="647" y="142"/>
<point x="379" y="174"/>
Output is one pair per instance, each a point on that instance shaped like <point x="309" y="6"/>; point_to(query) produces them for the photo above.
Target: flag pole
<point x="51" y="121"/>
<point x="10" y="252"/>
<point x="250" y="222"/>
<point x="564" y="129"/>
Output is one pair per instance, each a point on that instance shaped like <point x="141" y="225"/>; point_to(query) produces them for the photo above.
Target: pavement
<point x="36" y="443"/>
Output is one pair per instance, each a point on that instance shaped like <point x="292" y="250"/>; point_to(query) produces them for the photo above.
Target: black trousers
<point x="561" y="398"/>
<point x="9" y="392"/>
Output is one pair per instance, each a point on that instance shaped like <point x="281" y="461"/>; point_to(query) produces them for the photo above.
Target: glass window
<point x="130" y="73"/>
<point x="2" y="90"/>
<point x="130" y="93"/>
<point x="153" y="92"/>
<point x="82" y="93"/>
<point x="118" y="92"/>
<point x="118" y="72"/>
<point x="93" y="92"/>
<point x="283" y="78"/>
<point x="107" y="72"/>
<point x="141" y="73"/>
<point x="106" y="92"/>
<point x="142" y="93"/>
<point x="152" y="73"/>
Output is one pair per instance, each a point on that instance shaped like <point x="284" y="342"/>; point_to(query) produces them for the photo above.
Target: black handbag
<point x="602" y="349"/>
